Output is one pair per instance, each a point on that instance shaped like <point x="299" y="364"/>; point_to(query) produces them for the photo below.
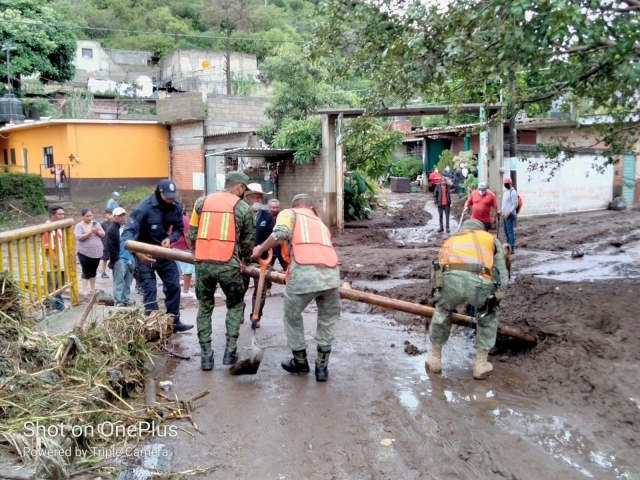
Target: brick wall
<point x="187" y="158"/>
<point x="296" y="178"/>
<point x="229" y="113"/>
<point x="403" y="125"/>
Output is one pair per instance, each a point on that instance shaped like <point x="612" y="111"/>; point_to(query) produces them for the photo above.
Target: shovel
<point x="250" y="358"/>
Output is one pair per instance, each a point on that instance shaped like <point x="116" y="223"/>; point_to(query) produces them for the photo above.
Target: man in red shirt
<point x="434" y="179"/>
<point x="484" y="205"/>
<point x="443" y="201"/>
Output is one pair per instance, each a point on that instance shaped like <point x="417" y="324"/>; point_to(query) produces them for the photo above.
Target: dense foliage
<point x="529" y="51"/>
<point x="24" y="186"/>
<point x="408" y="167"/>
<point x="206" y="23"/>
<point x="48" y="50"/>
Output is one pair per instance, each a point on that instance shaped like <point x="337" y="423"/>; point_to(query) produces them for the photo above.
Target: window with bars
<point x="231" y="164"/>
<point x="47" y="156"/>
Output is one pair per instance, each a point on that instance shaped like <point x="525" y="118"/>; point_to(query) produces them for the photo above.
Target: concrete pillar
<point x="496" y="159"/>
<point x="425" y="165"/>
<point x="329" y="200"/>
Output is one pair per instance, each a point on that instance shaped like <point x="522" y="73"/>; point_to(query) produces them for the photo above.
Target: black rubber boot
<point x="298" y="364"/>
<point x="322" y="363"/>
<point x="206" y="362"/>
<point x="178" y="326"/>
<point x="230" y="355"/>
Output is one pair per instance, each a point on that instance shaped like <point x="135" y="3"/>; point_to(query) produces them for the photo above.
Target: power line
<point x="140" y="32"/>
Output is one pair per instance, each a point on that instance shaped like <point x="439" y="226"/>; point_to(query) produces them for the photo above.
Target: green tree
<point x="466" y="50"/>
<point x="299" y="86"/>
<point x="44" y="50"/>
<point x="368" y="148"/>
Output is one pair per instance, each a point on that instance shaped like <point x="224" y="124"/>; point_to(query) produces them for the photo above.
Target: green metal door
<point x="628" y="178"/>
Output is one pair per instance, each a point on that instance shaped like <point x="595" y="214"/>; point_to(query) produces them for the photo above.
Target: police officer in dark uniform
<point x="149" y="223"/>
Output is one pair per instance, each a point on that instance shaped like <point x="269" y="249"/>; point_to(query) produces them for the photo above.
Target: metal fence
<point x="41" y="271"/>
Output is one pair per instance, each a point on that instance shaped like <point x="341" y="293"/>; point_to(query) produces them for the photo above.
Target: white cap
<point x="118" y="211"/>
<point x="481" y="186"/>
<point x="256" y="188"/>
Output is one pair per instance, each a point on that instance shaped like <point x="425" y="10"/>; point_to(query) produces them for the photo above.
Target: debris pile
<point x="89" y="401"/>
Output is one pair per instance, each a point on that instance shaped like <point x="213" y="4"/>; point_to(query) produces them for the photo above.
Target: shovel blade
<point x="248" y="364"/>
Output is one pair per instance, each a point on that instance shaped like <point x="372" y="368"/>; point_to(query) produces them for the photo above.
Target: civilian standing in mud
<point x="443" y="201"/>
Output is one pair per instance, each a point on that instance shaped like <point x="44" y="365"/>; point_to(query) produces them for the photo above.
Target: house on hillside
<point x="97" y="156"/>
<point x="197" y="70"/>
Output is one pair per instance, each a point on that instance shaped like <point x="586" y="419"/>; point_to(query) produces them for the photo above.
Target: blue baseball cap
<point x="115" y="194"/>
<point x="167" y="188"/>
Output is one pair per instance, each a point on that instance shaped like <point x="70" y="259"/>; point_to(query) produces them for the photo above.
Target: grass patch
<point x="131" y="197"/>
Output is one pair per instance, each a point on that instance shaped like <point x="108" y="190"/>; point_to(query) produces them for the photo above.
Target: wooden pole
<point x="347" y="293"/>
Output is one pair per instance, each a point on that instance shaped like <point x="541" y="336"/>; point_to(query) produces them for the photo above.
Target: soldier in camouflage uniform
<point x="227" y="274"/>
<point x="316" y="278"/>
<point x="474" y="288"/>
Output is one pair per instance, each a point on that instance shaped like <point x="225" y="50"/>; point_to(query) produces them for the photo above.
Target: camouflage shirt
<point x="245" y="231"/>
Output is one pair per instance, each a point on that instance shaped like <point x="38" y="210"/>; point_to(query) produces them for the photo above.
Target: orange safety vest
<point x="473" y="248"/>
<point x="311" y="241"/>
<point x="216" y="238"/>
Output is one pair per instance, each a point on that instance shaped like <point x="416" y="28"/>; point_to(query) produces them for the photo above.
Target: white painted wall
<point x="575" y="187"/>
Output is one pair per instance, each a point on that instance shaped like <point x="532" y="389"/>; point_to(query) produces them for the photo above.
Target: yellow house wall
<point x="34" y="140"/>
<point x="118" y="150"/>
<point x="105" y="150"/>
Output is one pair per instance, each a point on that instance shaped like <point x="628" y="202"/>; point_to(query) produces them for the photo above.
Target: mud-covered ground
<point x="583" y="308"/>
<point x="566" y="408"/>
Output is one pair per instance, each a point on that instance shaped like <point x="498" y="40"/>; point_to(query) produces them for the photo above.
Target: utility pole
<point x="7" y="47"/>
<point x="513" y="134"/>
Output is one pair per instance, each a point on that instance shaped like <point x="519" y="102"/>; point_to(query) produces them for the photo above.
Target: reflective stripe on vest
<point x="311" y="240"/>
<point x="472" y="248"/>
<point x="216" y="238"/>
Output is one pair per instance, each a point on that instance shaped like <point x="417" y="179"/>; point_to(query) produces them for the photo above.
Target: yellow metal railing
<point x="23" y="254"/>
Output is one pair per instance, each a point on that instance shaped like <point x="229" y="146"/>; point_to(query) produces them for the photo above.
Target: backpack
<point x="519" y="207"/>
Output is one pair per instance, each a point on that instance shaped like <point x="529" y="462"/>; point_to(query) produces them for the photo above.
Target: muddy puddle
<point x="609" y="264"/>
<point x="494" y="404"/>
<point x="423" y="233"/>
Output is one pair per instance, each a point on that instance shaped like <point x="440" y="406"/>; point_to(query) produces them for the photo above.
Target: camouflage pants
<point x="208" y="276"/>
<point x="328" y="302"/>
<point x="463" y="287"/>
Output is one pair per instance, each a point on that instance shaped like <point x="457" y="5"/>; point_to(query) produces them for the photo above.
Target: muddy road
<point x="568" y="408"/>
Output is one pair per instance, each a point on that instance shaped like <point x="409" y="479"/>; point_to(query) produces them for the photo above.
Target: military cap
<point x="300" y="196"/>
<point x="237" y="177"/>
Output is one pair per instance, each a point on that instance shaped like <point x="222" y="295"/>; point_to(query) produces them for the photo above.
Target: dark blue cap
<point x="167" y="188"/>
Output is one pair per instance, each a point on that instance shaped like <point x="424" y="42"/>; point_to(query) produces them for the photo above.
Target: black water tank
<point x="10" y="108"/>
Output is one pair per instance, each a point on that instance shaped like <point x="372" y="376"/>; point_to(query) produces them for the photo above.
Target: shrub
<point x="409" y="167"/>
<point x="23" y="186"/>
<point x="357" y="193"/>
<point x="445" y="160"/>
<point x="471" y="182"/>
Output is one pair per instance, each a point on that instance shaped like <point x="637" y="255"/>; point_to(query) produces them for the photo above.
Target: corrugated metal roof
<point x="235" y="132"/>
<point x="253" y="152"/>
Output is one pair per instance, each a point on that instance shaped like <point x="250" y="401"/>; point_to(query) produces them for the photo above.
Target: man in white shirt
<point x="509" y="212"/>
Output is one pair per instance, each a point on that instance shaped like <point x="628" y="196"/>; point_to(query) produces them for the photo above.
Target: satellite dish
<point x="205" y="63"/>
